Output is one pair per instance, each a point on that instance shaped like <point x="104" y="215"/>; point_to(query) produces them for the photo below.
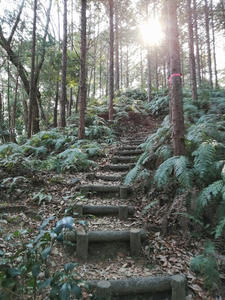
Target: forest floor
<point x="167" y="254"/>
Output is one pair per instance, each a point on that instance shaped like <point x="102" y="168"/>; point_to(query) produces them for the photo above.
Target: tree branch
<point x="16" y="22"/>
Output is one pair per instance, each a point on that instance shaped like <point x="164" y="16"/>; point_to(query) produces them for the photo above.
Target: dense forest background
<point x="140" y="61"/>
<point x="76" y="77"/>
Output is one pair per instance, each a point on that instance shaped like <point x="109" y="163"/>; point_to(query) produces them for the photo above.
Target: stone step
<point x="128" y="147"/>
<point x="122" y="190"/>
<point x="129" y="152"/>
<point x="118" y="167"/>
<point x="124" y="159"/>
<point x="169" y="287"/>
<point x="93" y="177"/>
<point x="134" y="237"/>
<point x="122" y="211"/>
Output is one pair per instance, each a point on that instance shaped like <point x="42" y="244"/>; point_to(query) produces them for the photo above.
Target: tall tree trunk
<point x="33" y="123"/>
<point x="214" y="44"/>
<point x="117" y="67"/>
<point x="175" y="81"/>
<point x="208" y="43"/>
<point x="191" y="52"/>
<point x="100" y="71"/>
<point x="13" y="120"/>
<point x="8" y="96"/>
<point x="127" y="69"/>
<point x="149" y="83"/>
<point x="25" y="114"/>
<point x="1" y="111"/>
<point x="121" y="64"/>
<point x="55" y="115"/>
<point x="197" y="43"/>
<point x="64" y="68"/>
<point x="83" y="73"/>
<point x="141" y="69"/>
<point x="156" y="71"/>
<point x="111" y="61"/>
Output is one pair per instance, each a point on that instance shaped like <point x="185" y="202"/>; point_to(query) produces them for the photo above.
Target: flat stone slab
<point x="129" y="152"/>
<point x="119" y="167"/>
<point x="109" y="177"/>
<point x="99" y="188"/>
<point x="124" y="159"/>
<point x="122" y="190"/>
<point x="103" y="210"/>
<point x="146" y="285"/>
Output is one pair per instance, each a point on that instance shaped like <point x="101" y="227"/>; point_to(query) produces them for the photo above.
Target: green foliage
<point x="42" y="197"/>
<point x="211" y="192"/>
<point x="74" y="160"/>
<point x="205" y="265"/>
<point x="176" y="167"/>
<point x="134" y="94"/>
<point x="159" y="106"/>
<point x="7" y="150"/>
<point x="21" y="271"/>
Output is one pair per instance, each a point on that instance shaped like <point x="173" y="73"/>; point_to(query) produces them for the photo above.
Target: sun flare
<point x="151" y="32"/>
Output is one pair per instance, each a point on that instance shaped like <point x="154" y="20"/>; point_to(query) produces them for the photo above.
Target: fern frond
<point x="132" y="174"/>
<point x="205" y="157"/>
<point x="219" y="228"/>
<point x="179" y="165"/>
<point x="164" y="172"/>
<point x="211" y="191"/>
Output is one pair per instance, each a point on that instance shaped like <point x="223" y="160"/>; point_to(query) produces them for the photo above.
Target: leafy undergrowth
<point x="188" y="190"/>
<point x="39" y="181"/>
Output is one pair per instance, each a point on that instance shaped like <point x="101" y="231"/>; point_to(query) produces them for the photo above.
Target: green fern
<point x="219" y="228"/>
<point x="206" y="266"/>
<point x="179" y="167"/>
<point x="132" y="174"/>
<point x="205" y="157"/>
<point x="210" y="192"/>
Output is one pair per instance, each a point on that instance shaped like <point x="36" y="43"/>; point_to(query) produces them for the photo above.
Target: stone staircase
<point x="102" y="188"/>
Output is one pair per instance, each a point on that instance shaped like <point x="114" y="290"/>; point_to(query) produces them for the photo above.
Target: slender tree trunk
<point x="25" y="114"/>
<point x="100" y="71"/>
<point x="208" y="43"/>
<point x="127" y="69"/>
<point x="197" y="43"/>
<point x="13" y="120"/>
<point x="214" y="44"/>
<point x="111" y="63"/>
<point x="121" y="64"/>
<point x="149" y="83"/>
<point x="33" y="108"/>
<point x="175" y="81"/>
<point x="55" y="116"/>
<point x="117" y="67"/>
<point x="1" y="111"/>
<point x="156" y="71"/>
<point x="8" y="97"/>
<point x="191" y="52"/>
<point x="83" y="73"/>
<point x="141" y="69"/>
<point x="64" y="68"/>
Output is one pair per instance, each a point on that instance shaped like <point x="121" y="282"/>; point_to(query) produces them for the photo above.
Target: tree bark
<point x="111" y="60"/>
<point x="13" y="120"/>
<point x="191" y="52"/>
<point x="33" y="118"/>
<point x="83" y="73"/>
<point x="149" y="83"/>
<point x="117" y="67"/>
<point x="208" y="42"/>
<point x="197" y="43"/>
<point x="55" y="115"/>
<point x="214" y="44"/>
<point x="175" y="86"/>
<point x="64" y="68"/>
